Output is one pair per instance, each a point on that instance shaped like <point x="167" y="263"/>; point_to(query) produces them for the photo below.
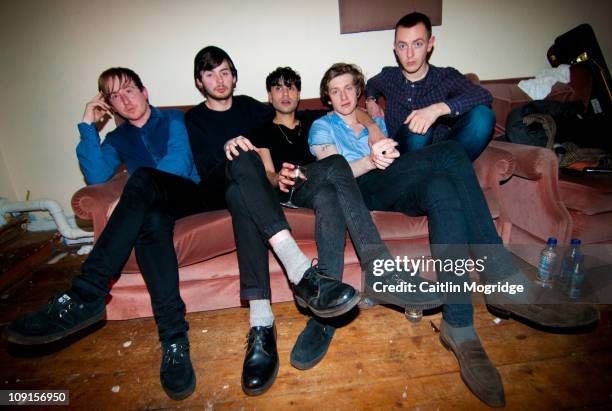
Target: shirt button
<point x="409" y="99"/>
<point x="412" y="85"/>
<point x="456" y="113"/>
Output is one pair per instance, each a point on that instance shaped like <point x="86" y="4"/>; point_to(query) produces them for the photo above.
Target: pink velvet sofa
<point x="207" y="253"/>
<point x="538" y="201"/>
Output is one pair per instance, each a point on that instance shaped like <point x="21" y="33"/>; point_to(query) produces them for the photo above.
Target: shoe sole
<point x="21" y="339"/>
<point x="263" y="388"/>
<point x="449" y="348"/>
<point x="506" y="314"/>
<point x="331" y="312"/>
<point x="181" y="395"/>
<point x="388" y="298"/>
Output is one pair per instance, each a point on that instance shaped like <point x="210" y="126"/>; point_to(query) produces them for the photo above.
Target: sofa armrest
<point x="93" y="202"/>
<point x="532" y="163"/>
<point x="531" y="198"/>
<point x="493" y="166"/>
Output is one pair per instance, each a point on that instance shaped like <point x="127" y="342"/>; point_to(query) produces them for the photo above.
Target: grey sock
<point x="293" y="259"/>
<point x="460" y="334"/>
<point x="260" y="313"/>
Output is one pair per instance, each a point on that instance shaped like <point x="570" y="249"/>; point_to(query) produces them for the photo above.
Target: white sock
<point x="260" y="313"/>
<point x="293" y="259"/>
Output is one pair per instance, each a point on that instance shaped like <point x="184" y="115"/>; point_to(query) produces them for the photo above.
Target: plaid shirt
<point x="440" y="85"/>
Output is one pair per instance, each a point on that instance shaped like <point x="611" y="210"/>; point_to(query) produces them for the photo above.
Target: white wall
<point x="53" y="51"/>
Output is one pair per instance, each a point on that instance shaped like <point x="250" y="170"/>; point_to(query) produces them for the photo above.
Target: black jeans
<point x="256" y="216"/>
<point x="439" y="181"/>
<point x="332" y="192"/>
<point x="330" y="189"/>
<point x="144" y="218"/>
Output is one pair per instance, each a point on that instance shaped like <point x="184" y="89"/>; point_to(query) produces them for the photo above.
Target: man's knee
<point x="481" y="120"/>
<point x="246" y="162"/>
<point x="337" y="163"/>
<point x="143" y="177"/>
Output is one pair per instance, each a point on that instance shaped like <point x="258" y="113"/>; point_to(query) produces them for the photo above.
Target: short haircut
<point x="125" y="75"/>
<point x="339" y="69"/>
<point x="209" y="58"/>
<point x="412" y="19"/>
<point x="284" y="75"/>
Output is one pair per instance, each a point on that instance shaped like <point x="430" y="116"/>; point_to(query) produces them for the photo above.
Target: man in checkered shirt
<point x="426" y="104"/>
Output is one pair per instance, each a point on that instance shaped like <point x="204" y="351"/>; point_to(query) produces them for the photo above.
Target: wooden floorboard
<point x="378" y="361"/>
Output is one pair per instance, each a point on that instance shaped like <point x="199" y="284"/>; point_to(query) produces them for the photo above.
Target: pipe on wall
<point x="52" y="207"/>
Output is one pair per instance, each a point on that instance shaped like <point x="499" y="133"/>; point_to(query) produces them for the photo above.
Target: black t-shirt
<point x="209" y="130"/>
<point x="288" y="145"/>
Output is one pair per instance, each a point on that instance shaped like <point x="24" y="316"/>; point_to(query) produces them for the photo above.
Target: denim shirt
<point x="331" y="129"/>
<point x="162" y="143"/>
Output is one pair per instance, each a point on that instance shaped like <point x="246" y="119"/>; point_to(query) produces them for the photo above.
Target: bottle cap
<point x="575" y="241"/>
<point x="551" y="240"/>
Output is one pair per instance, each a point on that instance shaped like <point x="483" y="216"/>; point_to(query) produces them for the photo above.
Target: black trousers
<point x="256" y="216"/>
<point x="144" y="218"/>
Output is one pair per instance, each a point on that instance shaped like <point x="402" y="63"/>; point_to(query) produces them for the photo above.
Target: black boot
<point x="176" y="372"/>
<point x="64" y="314"/>
<point x="261" y="360"/>
<point x="311" y="345"/>
<point x="402" y="289"/>
<point x="324" y="296"/>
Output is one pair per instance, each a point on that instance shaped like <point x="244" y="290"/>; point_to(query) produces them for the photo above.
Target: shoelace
<point x="62" y="304"/>
<point x="253" y="339"/>
<point x="174" y="352"/>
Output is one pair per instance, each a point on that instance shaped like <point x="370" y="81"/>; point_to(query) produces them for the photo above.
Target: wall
<point x="54" y="50"/>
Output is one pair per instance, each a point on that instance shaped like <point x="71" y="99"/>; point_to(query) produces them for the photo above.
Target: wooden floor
<point x="377" y="361"/>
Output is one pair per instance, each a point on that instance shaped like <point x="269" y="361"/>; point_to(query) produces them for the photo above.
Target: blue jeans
<point x="473" y="130"/>
<point x="439" y="181"/>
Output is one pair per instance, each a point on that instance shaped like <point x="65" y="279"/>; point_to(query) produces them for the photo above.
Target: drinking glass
<point x="289" y="203"/>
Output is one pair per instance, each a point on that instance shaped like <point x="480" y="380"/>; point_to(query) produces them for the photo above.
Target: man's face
<point x="218" y="83"/>
<point x="412" y="44"/>
<point x="343" y="94"/>
<point x="284" y="98"/>
<point x="127" y="99"/>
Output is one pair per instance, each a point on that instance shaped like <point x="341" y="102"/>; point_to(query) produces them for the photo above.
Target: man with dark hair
<point x="426" y="104"/>
<point x="163" y="187"/>
<point x="220" y="133"/>
<point x="437" y="181"/>
<point x="331" y="191"/>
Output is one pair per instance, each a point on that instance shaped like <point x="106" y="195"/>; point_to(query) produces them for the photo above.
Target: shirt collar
<point x="155" y="114"/>
<point x="338" y="120"/>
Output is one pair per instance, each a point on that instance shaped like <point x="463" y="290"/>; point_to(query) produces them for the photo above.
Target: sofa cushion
<point x="193" y="242"/>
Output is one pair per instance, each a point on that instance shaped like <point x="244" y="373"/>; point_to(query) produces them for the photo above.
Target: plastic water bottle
<point x="548" y="259"/>
<point x="567" y="265"/>
<point x="574" y="288"/>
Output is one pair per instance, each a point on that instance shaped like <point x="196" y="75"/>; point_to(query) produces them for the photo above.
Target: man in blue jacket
<point x="163" y="187"/>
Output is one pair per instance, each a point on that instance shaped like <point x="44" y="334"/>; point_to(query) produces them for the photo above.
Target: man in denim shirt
<point x="163" y="187"/>
<point x="426" y="104"/>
